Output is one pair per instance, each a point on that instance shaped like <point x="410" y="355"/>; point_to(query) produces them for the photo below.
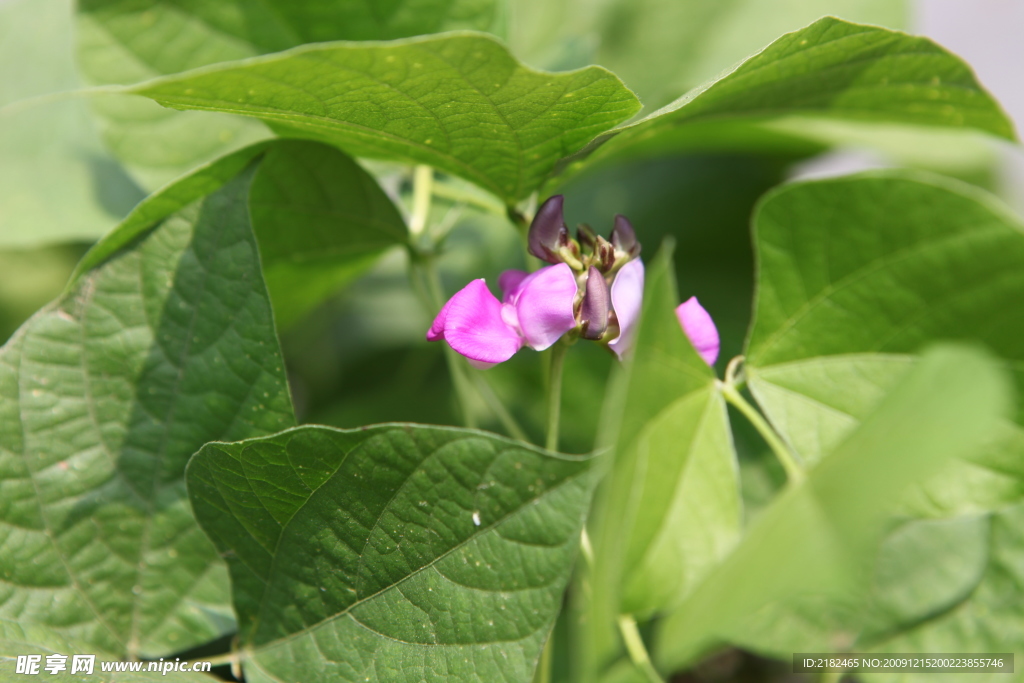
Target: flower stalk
<point x="557" y="363"/>
<point x="636" y="648"/>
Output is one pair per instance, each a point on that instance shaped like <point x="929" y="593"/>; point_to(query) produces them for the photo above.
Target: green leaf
<point x="832" y="70"/>
<point x="394" y="552"/>
<point x="663" y="48"/>
<point x="459" y="102"/>
<point x="17" y="638"/>
<point x="124" y="42"/>
<point x="988" y="618"/>
<point x="818" y="536"/>
<point x="104" y="395"/>
<point x="320" y="221"/>
<point x="856" y="275"/>
<point x="203" y="181"/>
<point x="670" y="510"/>
<point x="56" y="181"/>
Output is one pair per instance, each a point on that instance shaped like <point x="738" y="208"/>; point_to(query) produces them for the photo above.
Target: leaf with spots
<point x="104" y="395"/>
<point x="459" y="102"/>
<point x="391" y="553"/>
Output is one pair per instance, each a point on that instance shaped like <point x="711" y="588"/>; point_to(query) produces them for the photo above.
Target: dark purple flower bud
<point x="548" y="232"/>
<point x="624" y="237"/>
<point x="596" y="304"/>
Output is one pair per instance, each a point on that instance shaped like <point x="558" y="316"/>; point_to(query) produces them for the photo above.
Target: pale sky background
<point x="989" y="34"/>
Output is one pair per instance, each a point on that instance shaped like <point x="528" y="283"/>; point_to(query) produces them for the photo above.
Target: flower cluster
<point x="593" y="290"/>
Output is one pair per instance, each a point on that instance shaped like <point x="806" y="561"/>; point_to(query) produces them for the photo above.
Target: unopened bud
<point x="596" y="304"/>
<point x="586" y="236"/>
<point x="624" y="237"/>
<point x="548" y="232"/>
<point x="605" y="253"/>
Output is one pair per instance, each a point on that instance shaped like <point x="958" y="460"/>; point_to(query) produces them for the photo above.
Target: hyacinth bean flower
<point x="536" y="310"/>
<point x="593" y="289"/>
<point x="700" y="328"/>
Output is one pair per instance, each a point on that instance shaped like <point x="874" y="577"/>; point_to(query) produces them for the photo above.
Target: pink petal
<point x="471" y="324"/>
<point x="543" y="303"/>
<point x="436" y="331"/>
<point x="511" y="282"/>
<point x="627" y="299"/>
<point x="700" y="328"/>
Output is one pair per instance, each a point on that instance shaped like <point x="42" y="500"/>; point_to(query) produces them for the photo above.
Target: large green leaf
<point x="56" y="180"/>
<point x="459" y="102"/>
<point x="832" y="70"/>
<point x="104" y="395"/>
<point x="987" y="617"/>
<point x="391" y="553"/>
<point x="851" y="285"/>
<point x="670" y="509"/>
<point x="125" y="41"/>
<point x="819" y="536"/>
<point x="18" y="638"/>
<point x="856" y="275"/>
<point x="320" y="221"/>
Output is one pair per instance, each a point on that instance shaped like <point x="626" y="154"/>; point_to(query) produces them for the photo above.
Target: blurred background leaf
<point x="57" y="182"/>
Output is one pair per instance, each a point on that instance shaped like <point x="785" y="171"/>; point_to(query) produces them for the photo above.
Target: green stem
<point x="794" y="472"/>
<point x="422" y="191"/>
<point x="543" y="674"/>
<point x="555" y="394"/>
<point x="637" y="650"/>
<point x="495" y="404"/>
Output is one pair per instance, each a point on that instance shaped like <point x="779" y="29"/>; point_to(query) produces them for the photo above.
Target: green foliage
<point x="56" y="180"/>
<point x="396" y="552"/>
<point x="842" y="310"/>
<point x="155" y="495"/>
<point x="459" y="102"/>
<point x="18" y="638"/>
<point x="815" y="538"/>
<point x="830" y="70"/>
<point x="320" y="221"/>
<point x="124" y="42"/>
<point x="106" y="393"/>
<point x="842" y="314"/>
<point x="671" y="510"/>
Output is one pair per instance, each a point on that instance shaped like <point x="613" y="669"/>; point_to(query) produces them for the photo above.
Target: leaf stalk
<point x="636" y="648"/>
<point x="789" y="461"/>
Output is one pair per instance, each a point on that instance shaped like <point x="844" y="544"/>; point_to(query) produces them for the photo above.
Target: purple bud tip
<point x="548" y="231"/>
<point x="624" y="237"/>
<point x="596" y="303"/>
